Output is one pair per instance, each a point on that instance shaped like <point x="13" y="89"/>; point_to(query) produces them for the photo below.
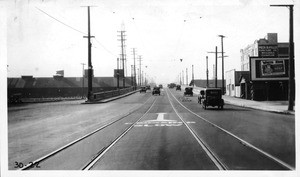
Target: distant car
<point x="143" y="89"/>
<point x="171" y="85"/>
<point x="148" y="87"/>
<point x="188" y="91"/>
<point x="211" y="97"/>
<point x="178" y="87"/>
<point x="156" y="91"/>
<point x="160" y="86"/>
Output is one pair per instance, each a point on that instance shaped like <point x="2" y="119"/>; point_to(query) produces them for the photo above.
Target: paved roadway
<point x="169" y="134"/>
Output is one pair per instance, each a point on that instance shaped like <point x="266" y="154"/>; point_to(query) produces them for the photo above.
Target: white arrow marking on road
<point x="160" y="118"/>
<point x="158" y="122"/>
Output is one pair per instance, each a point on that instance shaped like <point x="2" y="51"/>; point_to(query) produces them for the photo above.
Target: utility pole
<point x="291" y="57"/>
<point x="207" y="83"/>
<point x="123" y="57"/>
<point x="82" y="79"/>
<point x="216" y="66"/>
<point x="140" y="73"/>
<point x="223" y="89"/>
<point x="131" y="75"/>
<point x="142" y="79"/>
<point x="182" y="77"/>
<point x="186" y="73"/>
<point x="134" y="70"/>
<point x="193" y="75"/>
<point x="216" y="74"/>
<point x="118" y="74"/>
<point x="90" y="67"/>
<point x="138" y="77"/>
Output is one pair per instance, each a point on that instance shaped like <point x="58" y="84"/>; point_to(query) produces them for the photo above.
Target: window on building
<point x="283" y="51"/>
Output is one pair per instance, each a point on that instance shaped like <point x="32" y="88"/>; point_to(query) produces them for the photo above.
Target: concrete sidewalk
<point x="271" y="106"/>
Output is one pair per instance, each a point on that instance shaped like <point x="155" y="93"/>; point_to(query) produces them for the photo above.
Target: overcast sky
<point x="163" y="32"/>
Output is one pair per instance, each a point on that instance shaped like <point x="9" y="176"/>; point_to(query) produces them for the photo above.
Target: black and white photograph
<point x="161" y="88"/>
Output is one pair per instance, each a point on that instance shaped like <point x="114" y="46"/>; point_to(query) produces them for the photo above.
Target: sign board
<point x="119" y="72"/>
<point x="267" y="50"/>
<point x="266" y="69"/>
<point x="272" y="67"/>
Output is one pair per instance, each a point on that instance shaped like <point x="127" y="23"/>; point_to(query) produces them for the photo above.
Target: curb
<point x="262" y="109"/>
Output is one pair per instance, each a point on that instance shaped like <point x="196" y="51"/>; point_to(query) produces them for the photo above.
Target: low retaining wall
<point x="109" y="94"/>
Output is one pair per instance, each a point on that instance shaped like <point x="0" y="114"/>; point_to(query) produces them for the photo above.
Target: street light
<point x="291" y="58"/>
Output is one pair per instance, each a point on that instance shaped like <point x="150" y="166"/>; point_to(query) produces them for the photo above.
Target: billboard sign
<point x="265" y="69"/>
<point x="268" y="51"/>
<point x="272" y="67"/>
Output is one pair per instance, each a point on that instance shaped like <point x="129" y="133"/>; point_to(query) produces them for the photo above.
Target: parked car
<point x="178" y="87"/>
<point x="156" y="91"/>
<point x="143" y="89"/>
<point x="188" y="91"/>
<point x="211" y="97"/>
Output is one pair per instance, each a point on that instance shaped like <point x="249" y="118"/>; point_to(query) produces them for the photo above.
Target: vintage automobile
<point x="143" y="89"/>
<point x="160" y="86"/>
<point x="171" y="85"/>
<point x="148" y="87"/>
<point x="211" y="97"/>
<point x="178" y="87"/>
<point x="188" y="91"/>
<point x="156" y="91"/>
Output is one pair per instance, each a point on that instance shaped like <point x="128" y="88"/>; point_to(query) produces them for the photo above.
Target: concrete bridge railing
<point x="109" y="94"/>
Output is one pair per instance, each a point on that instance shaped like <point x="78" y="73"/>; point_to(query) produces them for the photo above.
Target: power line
<point x="60" y="21"/>
<point x="105" y="48"/>
<point x="76" y="30"/>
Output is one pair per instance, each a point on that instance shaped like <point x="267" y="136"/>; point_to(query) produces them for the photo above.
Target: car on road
<point x="148" y="87"/>
<point x="143" y="89"/>
<point x="178" y="87"/>
<point x="156" y="91"/>
<point x="171" y="85"/>
<point x="211" y="97"/>
<point x="188" y="91"/>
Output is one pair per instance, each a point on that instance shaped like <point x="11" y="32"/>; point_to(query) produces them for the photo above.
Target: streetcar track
<point x="103" y="151"/>
<point x="31" y="164"/>
<point x="243" y="142"/>
<point x="213" y="157"/>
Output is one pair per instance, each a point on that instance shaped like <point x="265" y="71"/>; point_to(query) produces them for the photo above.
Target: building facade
<point x="265" y="47"/>
<point x="236" y="83"/>
<point x="267" y="59"/>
